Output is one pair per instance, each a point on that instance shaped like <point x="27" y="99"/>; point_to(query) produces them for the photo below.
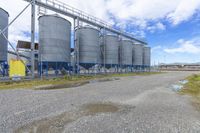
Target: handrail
<point x="65" y="9"/>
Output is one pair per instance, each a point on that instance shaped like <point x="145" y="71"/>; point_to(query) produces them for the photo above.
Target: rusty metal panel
<point x="26" y="45"/>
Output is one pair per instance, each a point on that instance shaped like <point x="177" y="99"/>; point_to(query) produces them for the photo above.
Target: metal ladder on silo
<point x="1" y="70"/>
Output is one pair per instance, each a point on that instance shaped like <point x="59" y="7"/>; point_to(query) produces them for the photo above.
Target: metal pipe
<point x="21" y="55"/>
<point x="15" y="52"/>
<point x="14" y="19"/>
<point x="74" y="65"/>
<point x="85" y="19"/>
<point x="78" y="62"/>
<point x="120" y="53"/>
<point x="33" y="38"/>
<point x="104" y="49"/>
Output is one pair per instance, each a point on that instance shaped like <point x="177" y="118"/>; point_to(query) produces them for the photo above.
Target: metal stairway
<point x="72" y="12"/>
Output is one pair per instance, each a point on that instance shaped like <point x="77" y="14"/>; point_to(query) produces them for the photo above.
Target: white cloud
<point x="157" y="26"/>
<point x="22" y="24"/>
<point x="96" y="8"/>
<point x="160" y="26"/>
<point x="158" y="47"/>
<point x="145" y="15"/>
<point x="141" y="9"/>
<point x="186" y="46"/>
<point x="184" y="10"/>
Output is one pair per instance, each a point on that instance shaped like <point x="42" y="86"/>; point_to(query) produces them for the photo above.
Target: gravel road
<point x="139" y="104"/>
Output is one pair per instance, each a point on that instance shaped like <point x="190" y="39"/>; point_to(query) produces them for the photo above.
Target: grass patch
<point x="64" y="82"/>
<point x="192" y="88"/>
<point x="54" y="83"/>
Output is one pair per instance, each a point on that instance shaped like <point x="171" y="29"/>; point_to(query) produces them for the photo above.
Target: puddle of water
<point x="103" y="80"/>
<point x="57" y="124"/>
<point x="93" y="109"/>
<point x="61" y="86"/>
<point x="69" y="85"/>
<point x="177" y="87"/>
<point x="47" y="125"/>
<point x="183" y="82"/>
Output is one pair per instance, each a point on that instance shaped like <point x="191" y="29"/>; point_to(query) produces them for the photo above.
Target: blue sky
<point x="171" y="28"/>
<point x="169" y="39"/>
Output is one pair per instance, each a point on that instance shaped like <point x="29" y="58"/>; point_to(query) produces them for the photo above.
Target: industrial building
<point x="179" y="67"/>
<point x="97" y="46"/>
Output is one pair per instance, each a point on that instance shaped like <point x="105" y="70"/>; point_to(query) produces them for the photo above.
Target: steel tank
<point x="3" y="42"/>
<point x="146" y="56"/>
<point x="89" y="48"/>
<point x="137" y="55"/>
<point x="54" y="39"/>
<point x="111" y="50"/>
<point x="126" y="52"/>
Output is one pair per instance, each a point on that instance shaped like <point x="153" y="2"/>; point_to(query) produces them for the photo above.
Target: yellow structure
<point x="16" y="68"/>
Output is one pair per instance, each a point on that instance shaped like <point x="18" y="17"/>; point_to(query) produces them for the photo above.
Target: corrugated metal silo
<point x="146" y="56"/>
<point x="127" y="52"/>
<point x="111" y="51"/>
<point x="3" y="42"/>
<point x="138" y="55"/>
<point x="54" y="39"/>
<point x="89" y="48"/>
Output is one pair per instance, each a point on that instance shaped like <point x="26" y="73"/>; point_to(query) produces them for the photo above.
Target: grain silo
<point x="54" y="42"/>
<point x="89" y="48"/>
<point x="137" y="56"/>
<point x="146" y="56"/>
<point x="111" y="51"/>
<point x="126" y="53"/>
<point x="3" y="42"/>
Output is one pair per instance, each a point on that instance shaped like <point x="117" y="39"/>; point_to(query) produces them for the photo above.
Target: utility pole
<point x="74" y="59"/>
<point x="104" y="49"/>
<point x="77" y="46"/>
<point x="33" y="38"/>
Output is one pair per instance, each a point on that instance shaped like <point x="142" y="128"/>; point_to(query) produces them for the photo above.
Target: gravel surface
<point x="139" y="104"/>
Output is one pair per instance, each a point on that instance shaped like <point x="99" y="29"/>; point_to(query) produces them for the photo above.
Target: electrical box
<point x="16" y="68"/>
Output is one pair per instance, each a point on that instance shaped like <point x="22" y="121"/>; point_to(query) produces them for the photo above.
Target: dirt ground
<point x="131" y="104"/>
